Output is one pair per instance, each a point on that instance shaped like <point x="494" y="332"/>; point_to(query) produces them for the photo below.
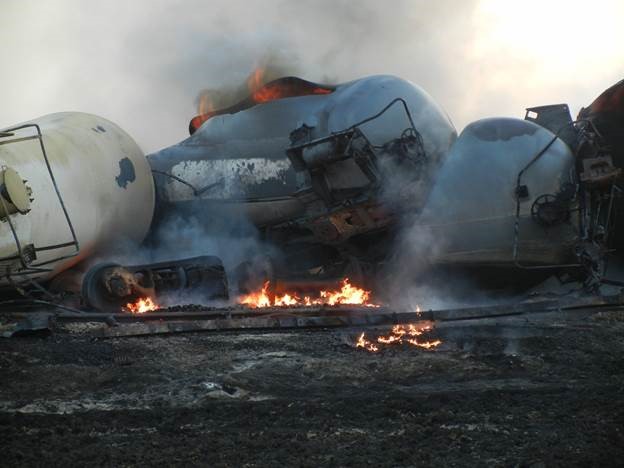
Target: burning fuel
<point x="260" y="90"/>
<point x="399" y="335"/>
<point x="347" y="294"/>
<point x="142" y="305"/>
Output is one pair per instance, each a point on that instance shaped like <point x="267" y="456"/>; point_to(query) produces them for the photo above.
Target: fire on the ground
<point x="347" y="294"/>
<point x="400" y="334"/>
<point x="142" y="305"/>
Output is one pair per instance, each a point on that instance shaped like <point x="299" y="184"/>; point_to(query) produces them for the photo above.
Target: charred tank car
<point x="600" y="150"/>
<point x="322" y="172"/>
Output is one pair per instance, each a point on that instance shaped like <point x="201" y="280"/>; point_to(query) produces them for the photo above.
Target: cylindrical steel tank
<point x="607" y="115"/>
<point x="470" y="215"/>
<point x="104" y="193"/>
<point x="235" y="164"/>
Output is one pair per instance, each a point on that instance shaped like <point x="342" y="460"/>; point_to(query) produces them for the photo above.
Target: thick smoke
<point x="202" y="229"/>
<point x="270" y="66"/>
<point x="146" y="64"/>
<point x="143" y="63"/>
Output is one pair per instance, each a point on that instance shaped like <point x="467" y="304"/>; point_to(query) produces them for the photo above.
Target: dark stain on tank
<point x="101" y="129"/>
<point x="126" y="173"/>
<point x="502" y="129"/>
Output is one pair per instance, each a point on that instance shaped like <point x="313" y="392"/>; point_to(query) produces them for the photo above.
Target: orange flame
<point x="347" y="294"/>
<point x="257" y="299"/>
<point x="259" y="92"/>
<point x="362" y="342"/>
<point x="142" y="305"/>
<point x="399" y="334"/>
<point x="262" y="92"/>
<point x="205" y="104"/>
<point x="256" y="80"/>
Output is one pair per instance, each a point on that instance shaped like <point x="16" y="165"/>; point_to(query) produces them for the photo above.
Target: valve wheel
<point x="547" y="210"/>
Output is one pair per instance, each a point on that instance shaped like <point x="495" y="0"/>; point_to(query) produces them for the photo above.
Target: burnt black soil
<point x="543" y="393"/>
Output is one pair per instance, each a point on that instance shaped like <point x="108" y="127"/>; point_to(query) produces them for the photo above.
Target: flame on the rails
<point x="400" y="334"/>
<point x="347" y="294"/>
<point x="145" y="304"/>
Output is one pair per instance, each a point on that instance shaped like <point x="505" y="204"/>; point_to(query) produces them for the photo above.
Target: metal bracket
<point x="25" y="258"/>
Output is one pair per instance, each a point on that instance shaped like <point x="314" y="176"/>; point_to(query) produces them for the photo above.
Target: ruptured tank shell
<point x="102" y="177"/>
<point x="237" y="160"/>
<point x="470" y="215"/>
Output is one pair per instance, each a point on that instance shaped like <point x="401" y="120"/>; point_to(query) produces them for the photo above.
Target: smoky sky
<point x="142" y="63"/>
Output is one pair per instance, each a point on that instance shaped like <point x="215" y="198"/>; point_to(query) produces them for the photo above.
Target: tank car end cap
<point x="15" y="191"/>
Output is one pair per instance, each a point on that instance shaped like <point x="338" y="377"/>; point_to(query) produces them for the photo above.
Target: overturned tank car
<point x="72" y="186"/>
<point x="323" y="172"/>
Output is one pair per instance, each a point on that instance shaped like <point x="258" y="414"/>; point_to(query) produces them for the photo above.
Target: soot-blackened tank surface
<point x="472" y="209"/>
<point x="240" y="159"/>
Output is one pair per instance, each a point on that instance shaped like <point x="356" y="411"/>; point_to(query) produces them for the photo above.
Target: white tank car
<point x="71" y="184"/>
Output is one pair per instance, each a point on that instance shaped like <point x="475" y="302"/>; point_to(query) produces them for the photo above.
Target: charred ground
<point x="510" y="392"/>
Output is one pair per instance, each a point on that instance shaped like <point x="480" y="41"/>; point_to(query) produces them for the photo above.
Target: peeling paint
<point x="238" y="176"/>
<point x="127" y="173"/>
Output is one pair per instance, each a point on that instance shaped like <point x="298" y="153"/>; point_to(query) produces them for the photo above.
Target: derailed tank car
<point x="72" y="185"/>
<point x="504" y="196"/>
<point x="527" y="198"/>
<point x="74" y="189"/>
<point x="322" y="171"/>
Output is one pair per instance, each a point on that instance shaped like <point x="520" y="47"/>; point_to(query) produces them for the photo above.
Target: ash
<point x="538" y="391"/>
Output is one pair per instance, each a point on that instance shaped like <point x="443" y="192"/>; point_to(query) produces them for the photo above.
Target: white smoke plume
<point x="143" y="63"/>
